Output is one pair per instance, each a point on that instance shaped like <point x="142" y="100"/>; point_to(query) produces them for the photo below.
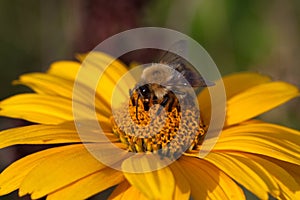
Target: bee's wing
<point x="173" y="60"/>
<point x="172" y="55"/>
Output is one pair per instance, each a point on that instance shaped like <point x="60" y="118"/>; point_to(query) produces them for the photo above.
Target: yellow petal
<point x="64" y="69"/>
<point x="100" y="60"/>
<point x="182" y="186"/>
<point x="12" y="176"/>
<point x="125" y="191"/>
<point x="246" y="172"/>
<point x="289" y="191"/>
<point x="258" y="100"/>
<point x="59" y="170"/>
<point x="264" y="139"/>
<point x="209" y="182"/>
<point x="240" y="82"/>
<point x="284" y="177"/>
<point x="39" y="134"/>
<point x="49" y="134"/>
<point x="47" y="84"/>
<point x="58" y="86"/>
<point x="293" y="169"/>
<point x="111" y="72"/>
<point x="157" y="184"/>
<point x="68" y="70"/>
<point x="233" y="84"/>
<point x="86" y="103"/>
<point x="88" y="186"/>
<point x="92" y="91"/>
<point x="46" y="109"/>
<point x="37" y="108"/>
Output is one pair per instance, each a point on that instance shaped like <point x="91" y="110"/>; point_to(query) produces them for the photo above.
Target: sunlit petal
<point x="257" y="100"/>
<point x="49" y="134"/>
<point x="233" y="84"/>
<point x="287" y="180"/>
<point x="217" y="185"/>
<point x="64" y="69"/>
<point x="50" y="84"/>
<point x="159" y="184"/>
<point x="125" y="191"/>
<point x="182" y="186"/>
<point x="39" y="134"/>
<point x="92" y="184"/>
<point x="262" y="138"/>
<point x="47" y="84"/>
<point x="43" y="109"/>
<point x="246" y="172"/>
<point x="111" y="71"/>
<point x="12" y="177"/>
<point x="67" y="166"/>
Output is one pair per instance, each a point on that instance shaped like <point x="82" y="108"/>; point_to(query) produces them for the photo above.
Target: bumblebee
<point x="164" y="82"/>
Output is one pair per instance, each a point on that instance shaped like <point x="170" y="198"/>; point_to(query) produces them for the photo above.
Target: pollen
<point x="168" y="134"/>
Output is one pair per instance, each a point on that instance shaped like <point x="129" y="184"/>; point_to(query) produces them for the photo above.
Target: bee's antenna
<point x="137" y="106"/>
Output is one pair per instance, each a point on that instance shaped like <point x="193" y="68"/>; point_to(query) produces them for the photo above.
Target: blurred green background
<point x="256" y="35"/>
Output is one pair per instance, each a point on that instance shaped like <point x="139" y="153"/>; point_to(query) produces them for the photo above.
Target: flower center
<point x="170" y="133"/>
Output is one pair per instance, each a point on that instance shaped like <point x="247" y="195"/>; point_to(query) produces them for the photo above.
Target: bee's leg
<point x="170" y="105"/>
<point x="163" y="104"/>
<point x="165" y="101"/>
<point x="132" y="101"/>
<point x="178" y="107"/>
<point x="177" y="104"/>
<point x="131" y="97"/>
<point x="146" y="105"/>
<point x="137" y="107"/>
<point x="154" y="99"/>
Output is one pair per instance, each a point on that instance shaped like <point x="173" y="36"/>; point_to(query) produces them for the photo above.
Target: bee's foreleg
<point x="137" y="107"/>
<point x="146" y="105"/>
<point x="133" y="101"/>
<point x="132" y="97"/>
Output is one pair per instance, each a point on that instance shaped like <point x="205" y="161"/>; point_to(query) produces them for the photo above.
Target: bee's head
<point x="140" y="92"/>
<point x="144" y="91"/>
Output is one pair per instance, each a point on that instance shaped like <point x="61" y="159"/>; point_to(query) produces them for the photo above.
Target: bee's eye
<point x="144" y="90"/>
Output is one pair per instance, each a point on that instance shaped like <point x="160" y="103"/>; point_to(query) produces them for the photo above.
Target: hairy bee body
<point x="153" y="93"/>
<point x="167" y="82"/>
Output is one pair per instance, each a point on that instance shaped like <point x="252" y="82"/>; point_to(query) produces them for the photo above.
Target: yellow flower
<point x="264" y="158"/>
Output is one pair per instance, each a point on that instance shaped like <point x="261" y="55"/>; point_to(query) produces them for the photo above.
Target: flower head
<point x="262" y="157"/>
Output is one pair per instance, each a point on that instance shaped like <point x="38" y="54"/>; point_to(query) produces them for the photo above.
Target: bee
<point x="167" y="80"/>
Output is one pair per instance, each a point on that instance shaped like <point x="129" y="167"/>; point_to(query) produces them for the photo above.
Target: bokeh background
<point x="248" y="35"/>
